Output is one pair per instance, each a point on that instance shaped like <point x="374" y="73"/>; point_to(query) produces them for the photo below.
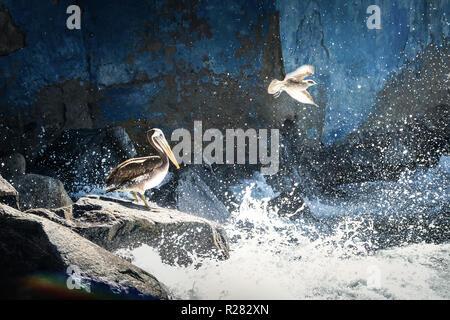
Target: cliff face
<point x="138" y="64"/>
<point x="167" y="63"/>
<point x="354" y="63"/>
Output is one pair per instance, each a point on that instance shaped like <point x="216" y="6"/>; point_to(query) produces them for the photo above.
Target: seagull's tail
<point x="275" y="87"/>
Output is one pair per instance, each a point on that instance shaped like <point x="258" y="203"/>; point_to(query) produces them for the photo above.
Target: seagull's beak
<point x="165" y="146"/>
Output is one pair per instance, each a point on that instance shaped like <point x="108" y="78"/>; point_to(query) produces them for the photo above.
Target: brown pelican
<point x="139" y="174"/>
<point x="295" y="85"/>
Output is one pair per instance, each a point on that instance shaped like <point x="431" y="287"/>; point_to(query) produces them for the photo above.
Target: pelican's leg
<point x="135" y="196"/>
<point x="145" y="201"/>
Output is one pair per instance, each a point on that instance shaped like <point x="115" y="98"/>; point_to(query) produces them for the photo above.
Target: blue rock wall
<point x="353" y="62"/>
<point x="124" y="42"/>
<point x="167" y="63"/>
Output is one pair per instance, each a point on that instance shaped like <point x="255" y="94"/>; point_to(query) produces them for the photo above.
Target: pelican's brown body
<point x="139" y="174"/>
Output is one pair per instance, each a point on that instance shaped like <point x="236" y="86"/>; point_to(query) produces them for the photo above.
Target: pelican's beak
<point x="165" y="146"/>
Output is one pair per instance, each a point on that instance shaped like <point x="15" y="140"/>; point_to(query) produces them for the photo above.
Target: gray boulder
<point x="195" y="196"/>
<point x="199" y="191"/>
<point x="8" y="195"/>
<point x="38" y="191"/>
<point x="42" y="259"/>
<point x="115" y="224"/>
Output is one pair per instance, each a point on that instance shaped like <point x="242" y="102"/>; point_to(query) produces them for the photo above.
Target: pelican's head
<point x="310" y="83"/>
<point x="156" y="138"/>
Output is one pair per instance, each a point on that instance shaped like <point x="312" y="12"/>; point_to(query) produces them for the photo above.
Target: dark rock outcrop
<point x="202" y="191"/>
<point x="12" y="38"/>
<point x="37" y="191"/>
<point x="85" y="157"/>
<point x="12" y="164"/>
<point x="199" y="193"/>
<point x="8" y="195"/>
<point x="115" y="224"/>
<point x="197" y="190"/>
<point x="383" y="153"/>
<point x="39" y="257"/>
<point x="290" y="204"/>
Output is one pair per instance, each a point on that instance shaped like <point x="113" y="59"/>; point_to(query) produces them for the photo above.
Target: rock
<point x="195" y="196"/>
<point x="85" y="157"/>
<point x="12" y="164"/>
<point x="291" y="205"/>
<point x="198" y="190"/>
<point x="377" y="153"/>
<point x="8" y="195"/>
<point x="38" y="257"/>
<point x="38" y="191"/>
<point x="116" y="224"/>
<point x="12" y="38"/>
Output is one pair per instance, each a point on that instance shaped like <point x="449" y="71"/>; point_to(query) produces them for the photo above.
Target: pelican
<point x="295" y="85"/>
<point x="139" y="174"/>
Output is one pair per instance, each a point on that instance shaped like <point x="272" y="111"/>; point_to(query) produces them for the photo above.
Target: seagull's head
<point x="310" y="83"/>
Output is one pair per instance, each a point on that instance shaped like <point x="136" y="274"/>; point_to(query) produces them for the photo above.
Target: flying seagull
<point x="139" y="174"/>
<point x="295" y="85"/>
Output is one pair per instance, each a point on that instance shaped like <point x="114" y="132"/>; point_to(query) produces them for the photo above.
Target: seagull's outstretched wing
<point x="307" y="98"/>
<point x="301" y="73"/>
<point x="302" y="96"/>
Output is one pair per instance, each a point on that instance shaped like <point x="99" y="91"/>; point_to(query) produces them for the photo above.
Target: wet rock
<point x="37" y="191"/>
<point x="199" y="191"/>
<point x="290" y="204"/>
<point x="116" y="224"/>
<point x="377" y="154"/>
<point x="85" y="157"/>
<point x="12" y="38"/>
<point x="194" y="195"/>
<point x="12" y="164"/>
<point x="8" y="195"/>
<point x="38" y="255"/>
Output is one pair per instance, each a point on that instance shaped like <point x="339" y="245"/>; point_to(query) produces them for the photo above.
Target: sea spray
<point x="347" y="254"/>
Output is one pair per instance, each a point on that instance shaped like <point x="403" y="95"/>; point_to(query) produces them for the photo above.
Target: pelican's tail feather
<point x="275" y="87"/>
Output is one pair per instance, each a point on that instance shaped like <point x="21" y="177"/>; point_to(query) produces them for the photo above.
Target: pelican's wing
<point x="132" y="168"/>
<point x="301" y="73"/>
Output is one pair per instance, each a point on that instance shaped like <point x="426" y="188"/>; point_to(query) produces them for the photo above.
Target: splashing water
<point x="338" y="255"/>
<point x="274" y="258"/>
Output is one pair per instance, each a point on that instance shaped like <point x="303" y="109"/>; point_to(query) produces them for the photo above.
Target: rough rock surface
<point x="200" y="194"/>
<point x="290" y="204"/>
<point x="8" y="195"/>
<point x="12" y="164"/>
<point x="12" y="38"/>
<point x="37" y="191"/>
<point x="383" y="153"/>
<point x="37" y="254"/>
<point x="115" y="224"/>
<point x="85" y="157"/>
